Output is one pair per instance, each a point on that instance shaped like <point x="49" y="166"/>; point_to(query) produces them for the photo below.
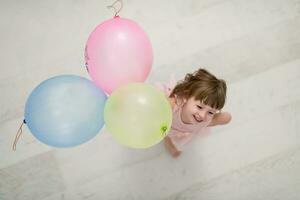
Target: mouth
<point x="197" y="119"/>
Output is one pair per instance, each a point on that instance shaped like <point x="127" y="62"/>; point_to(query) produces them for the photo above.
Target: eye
<point x="200" y="107"/>
<point x="211" y="113"/>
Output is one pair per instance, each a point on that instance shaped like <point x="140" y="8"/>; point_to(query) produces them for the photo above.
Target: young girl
<point x="196" y="103"/>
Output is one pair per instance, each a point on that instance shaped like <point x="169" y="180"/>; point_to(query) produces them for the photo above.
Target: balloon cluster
<point x="69" y="110"/>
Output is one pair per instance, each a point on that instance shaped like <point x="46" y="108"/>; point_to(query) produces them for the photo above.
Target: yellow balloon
<point x="138" y="115"/>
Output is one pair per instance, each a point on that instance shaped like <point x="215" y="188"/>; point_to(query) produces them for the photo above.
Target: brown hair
<point x="203" y="86"/>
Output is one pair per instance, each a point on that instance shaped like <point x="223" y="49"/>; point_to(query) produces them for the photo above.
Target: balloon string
<point x="86" y="56"/>
<point x="113" y="6"/>
<point x="19" y="133"/>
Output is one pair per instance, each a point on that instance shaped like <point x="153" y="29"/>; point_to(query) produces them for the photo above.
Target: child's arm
<point x="220" y="119"/>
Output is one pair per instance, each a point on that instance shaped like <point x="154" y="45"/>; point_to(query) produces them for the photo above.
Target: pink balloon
<point x="118" y="52"/>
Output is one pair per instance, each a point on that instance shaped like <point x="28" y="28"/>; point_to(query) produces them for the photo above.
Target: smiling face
<point x="194" y="111"/>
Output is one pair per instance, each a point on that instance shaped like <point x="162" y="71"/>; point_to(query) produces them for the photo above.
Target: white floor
<point x="254" y="45"/>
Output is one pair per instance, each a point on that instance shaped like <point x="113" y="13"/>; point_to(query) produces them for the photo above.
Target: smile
<point x="198" y="120"/>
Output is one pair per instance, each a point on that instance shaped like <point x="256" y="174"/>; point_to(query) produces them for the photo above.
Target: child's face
<point x="194" y="111"/>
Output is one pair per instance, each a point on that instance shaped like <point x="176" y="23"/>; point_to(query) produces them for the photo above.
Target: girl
<point x="196" y="103"/>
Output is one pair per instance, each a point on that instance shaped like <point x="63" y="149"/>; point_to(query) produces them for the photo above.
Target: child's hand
<point x="220" y="119"/>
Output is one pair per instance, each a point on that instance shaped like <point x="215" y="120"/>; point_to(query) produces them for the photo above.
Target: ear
<point x="183" y="100"/>
<point x="179" y="100"/>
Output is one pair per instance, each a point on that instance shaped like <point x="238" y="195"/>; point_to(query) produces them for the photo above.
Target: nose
<point x="202" y="114"/>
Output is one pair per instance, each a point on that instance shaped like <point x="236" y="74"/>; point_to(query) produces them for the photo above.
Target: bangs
<point x="204" y="87"/>
<point x="210" y="97"/>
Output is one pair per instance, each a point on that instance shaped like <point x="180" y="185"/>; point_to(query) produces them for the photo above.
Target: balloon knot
<point x="164" y="129"/>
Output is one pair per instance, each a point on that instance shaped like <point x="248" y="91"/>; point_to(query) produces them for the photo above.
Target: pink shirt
<point x="180" y="132"/>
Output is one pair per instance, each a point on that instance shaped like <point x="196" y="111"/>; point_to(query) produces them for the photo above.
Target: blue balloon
<point x="65" y="111"/>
